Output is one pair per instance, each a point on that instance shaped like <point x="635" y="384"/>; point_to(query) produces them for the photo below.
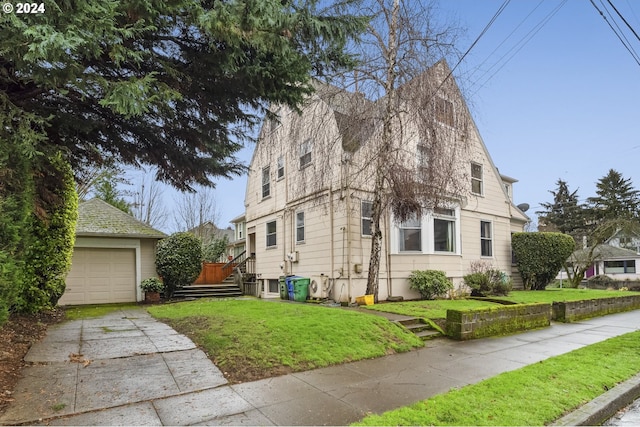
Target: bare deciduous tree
<point x="195" y="210"/>
<point x="147" y="205"/>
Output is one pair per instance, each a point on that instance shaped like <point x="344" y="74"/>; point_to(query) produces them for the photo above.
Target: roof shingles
<point x="98" y="218"/>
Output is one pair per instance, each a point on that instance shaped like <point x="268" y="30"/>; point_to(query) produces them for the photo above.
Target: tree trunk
<point x="376" y="239"/>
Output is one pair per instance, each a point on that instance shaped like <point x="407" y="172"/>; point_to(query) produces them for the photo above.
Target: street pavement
<point x="128" y="369"/>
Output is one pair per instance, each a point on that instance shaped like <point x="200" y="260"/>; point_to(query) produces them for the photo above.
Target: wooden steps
<point x="220" y="290"/>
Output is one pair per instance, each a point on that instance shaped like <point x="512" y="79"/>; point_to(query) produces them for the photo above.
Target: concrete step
<point x="420" y="328"/>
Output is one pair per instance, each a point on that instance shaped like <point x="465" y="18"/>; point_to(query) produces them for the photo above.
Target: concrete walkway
<point x="128" y="369"/>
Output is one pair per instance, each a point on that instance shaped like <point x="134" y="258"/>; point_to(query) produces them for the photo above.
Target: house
<point x="625" y="241"/>
<point x="309" y="193"/>
<point x="237" y="244"/>
<point x="208" y="231"/>
<point x="113" y="253"/>
<point x="614" y="262"/>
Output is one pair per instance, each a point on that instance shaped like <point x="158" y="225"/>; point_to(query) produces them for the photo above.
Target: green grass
<point x="536" y="394"/>
<point x="429" y="309"/>
<point x="257" y="336"/>
<point x="88" y="311"/>
<point x="551" y="295"/>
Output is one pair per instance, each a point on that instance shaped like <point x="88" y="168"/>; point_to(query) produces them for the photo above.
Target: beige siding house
<point x="112" y="254"/>
<point x="309" y="193"/>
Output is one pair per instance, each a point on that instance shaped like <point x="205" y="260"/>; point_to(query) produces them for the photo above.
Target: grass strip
<point x="551" y="295"/>
<point x="267" y="338"/>
<point x="95" y="310"/>
<point x="536" y="394"/>
<point x="429" y="309"/>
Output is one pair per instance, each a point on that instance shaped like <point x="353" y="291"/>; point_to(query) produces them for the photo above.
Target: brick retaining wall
<point x="570" y="311"/>
<point x="484" y="322"/>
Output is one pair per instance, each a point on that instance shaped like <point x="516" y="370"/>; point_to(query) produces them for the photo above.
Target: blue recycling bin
<point x="290" y="281"/>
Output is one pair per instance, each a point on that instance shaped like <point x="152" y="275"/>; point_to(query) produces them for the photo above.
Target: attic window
<point x="266" y="182"/>
<point x="305" y="153"/>
<point x="476" y="178"/>
<point x="444" y="111"/>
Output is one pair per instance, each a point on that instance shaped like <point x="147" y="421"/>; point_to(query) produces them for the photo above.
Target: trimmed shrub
<point x="540" y="256"/>
<point x="488" y="283"/>
<point x="430" y="283"/>
<point x="178" y="261"/>
<point x="152" y="284"/>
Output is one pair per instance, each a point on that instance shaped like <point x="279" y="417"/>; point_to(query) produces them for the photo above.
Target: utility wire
<point x="486" y="28"/>
<point x="624" y="20"/>
<point x="518" y="46"/>
<point x="627" y="42"/>
<point x="616" y="33"/>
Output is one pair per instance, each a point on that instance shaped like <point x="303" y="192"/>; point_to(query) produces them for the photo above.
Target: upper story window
<point x="411" y="235"/>
<point x="476" y="179"/>
<point x="486" y="239"/>
<point x="444" y="230"/>
<point x="305" y="153"/>
<point x="444" y="111"/>
<point x="422" y="156"/>
<point x="366" y="213"/>
<point x="280" y="171"/>
<point x="240" y="231"/>
<point x="299" y="227"/>
<point x="272" y="236"/>
<point x="266" y="181"/>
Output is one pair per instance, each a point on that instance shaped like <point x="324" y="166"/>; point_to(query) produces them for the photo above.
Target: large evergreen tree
<point x="565" y="214"/>
<point x="169" y="84"/>
<point x="616" y="199"/>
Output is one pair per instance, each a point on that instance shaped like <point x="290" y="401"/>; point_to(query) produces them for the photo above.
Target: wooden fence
<point x="212" y="273"/>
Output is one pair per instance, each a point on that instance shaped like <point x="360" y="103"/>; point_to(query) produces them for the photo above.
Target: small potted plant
<point x="152" y="288"/>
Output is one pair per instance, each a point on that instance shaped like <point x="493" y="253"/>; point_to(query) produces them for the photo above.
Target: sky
<point x="563" y="105"/>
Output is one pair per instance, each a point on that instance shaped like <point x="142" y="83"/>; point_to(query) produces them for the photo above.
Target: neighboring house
<point x="208" y="231"/>
<point x="309" y="198"/>
<point x="625" y="241"/>
<point x="617" y="263"/>
<point x="112" y="254"/>
<point x="237" y="244"/>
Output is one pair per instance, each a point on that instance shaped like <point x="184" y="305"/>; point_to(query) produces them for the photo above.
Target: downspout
<point x="348" y="205"/>
<point x="331" y="237"/>
<point x="387" y="248"/>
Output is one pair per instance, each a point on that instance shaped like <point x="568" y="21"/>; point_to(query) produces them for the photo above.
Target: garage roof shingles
<point x="98" y="218"/>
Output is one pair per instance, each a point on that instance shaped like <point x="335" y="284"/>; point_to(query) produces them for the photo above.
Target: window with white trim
<point x="300" y="227"/>
<point x="410" y="235"/>
<point x="305" y="153"/>
<point x="272" y="236"/>
<point x="444" y="230"/>
<point x="266" y="181"/>
<point x="476" y="178"/>
<point x="486" y="239"/>
<point x="280" y="170"/>
<point x="366" y="213"/>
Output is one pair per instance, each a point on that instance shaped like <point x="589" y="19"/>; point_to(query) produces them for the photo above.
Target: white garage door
<point x="100" y="276"/>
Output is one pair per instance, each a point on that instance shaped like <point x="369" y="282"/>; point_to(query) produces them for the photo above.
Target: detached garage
<point x="113" y="253"/>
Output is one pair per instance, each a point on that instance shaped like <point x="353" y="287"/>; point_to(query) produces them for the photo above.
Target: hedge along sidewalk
<point x="533" y="395"/>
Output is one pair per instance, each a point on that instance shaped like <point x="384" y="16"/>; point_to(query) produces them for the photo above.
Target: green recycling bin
<point x="301" y="288"/>
<point x="284" y="294"/>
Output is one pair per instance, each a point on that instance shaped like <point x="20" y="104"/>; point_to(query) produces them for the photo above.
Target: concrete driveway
<point x="120" y="359"/>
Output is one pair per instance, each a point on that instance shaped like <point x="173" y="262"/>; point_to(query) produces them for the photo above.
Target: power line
<point x="633" y="54"/>
<point x="624" y="20"/>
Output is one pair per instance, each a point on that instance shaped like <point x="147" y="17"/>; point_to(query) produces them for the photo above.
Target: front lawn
<point x="551" y="295"/>
<point x="254" y="339"/>
<point x="535" y="395"/>
<point x="429" y="309"/>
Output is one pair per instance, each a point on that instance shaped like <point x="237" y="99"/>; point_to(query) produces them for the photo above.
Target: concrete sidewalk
<point x="140" y="372"/>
